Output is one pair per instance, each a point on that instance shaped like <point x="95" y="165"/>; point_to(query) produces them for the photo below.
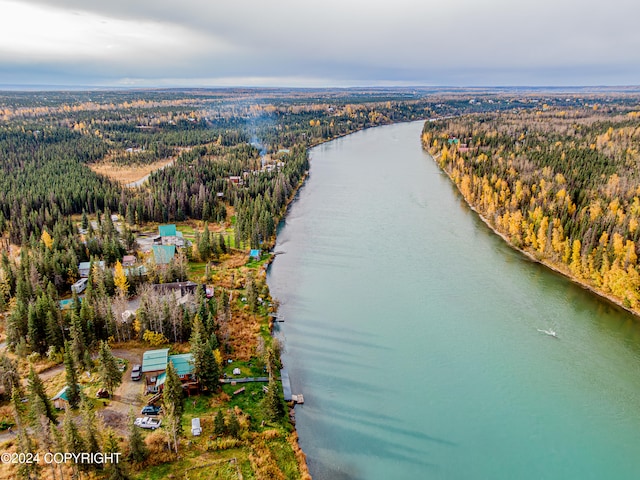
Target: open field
<point x="126" y="174"/>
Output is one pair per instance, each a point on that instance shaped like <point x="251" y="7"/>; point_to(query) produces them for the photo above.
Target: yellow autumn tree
<point x="120" y="278"/>
<point x="46" y="239"/>
<point x="576" y="263"/>
<point x="155" y="339"/>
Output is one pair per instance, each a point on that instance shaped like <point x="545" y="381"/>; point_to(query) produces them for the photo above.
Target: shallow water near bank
<point x="412" y="331"/>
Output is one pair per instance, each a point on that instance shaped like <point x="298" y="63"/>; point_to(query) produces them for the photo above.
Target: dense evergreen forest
<point x="562" y="184"/>
<point x="228" y="154"/>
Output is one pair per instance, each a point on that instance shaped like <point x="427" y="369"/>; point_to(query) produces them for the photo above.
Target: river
<point x="412" y="331"/>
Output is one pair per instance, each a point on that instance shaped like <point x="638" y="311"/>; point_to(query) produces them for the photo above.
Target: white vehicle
<point x="195" y="427"/>
<point x="148" y="422"/>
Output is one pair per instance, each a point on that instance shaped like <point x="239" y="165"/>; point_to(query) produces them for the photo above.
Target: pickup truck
<point x="148" y="422"/>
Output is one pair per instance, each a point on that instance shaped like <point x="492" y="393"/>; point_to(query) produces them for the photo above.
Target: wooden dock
<point x="244" y="380"/>
<point x="286" y="388"/>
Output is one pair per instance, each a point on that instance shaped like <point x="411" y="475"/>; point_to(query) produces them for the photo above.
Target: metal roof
<point x="163" y="253"/>
<point x="153" y="360"/>
<point x="167" y="230"/>
<point x="183" y="363"/>
<point x="62" y="394"/>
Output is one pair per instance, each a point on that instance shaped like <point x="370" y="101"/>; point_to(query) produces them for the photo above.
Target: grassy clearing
<point x="259" y="263"/>
<point x="248" y="368"/>
<point x="127" y="173"/>
<point x="196" y="271"/>
<point x="196" y="464"/>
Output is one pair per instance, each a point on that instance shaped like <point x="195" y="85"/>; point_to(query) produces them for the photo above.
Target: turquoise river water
<point x="412" y="331"/>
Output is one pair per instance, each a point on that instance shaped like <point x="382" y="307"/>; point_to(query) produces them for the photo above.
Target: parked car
<point x="148" y="422"/>
<point x="150" y="410"/>
<point x="102" y="393"/>
<point x="136" y="372"/>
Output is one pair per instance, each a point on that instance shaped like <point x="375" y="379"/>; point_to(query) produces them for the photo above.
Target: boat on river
<point x="551" y="333"/>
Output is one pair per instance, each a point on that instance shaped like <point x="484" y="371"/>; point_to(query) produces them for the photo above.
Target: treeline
<point x="562" y="185"/>
<point x="45" y="175"/>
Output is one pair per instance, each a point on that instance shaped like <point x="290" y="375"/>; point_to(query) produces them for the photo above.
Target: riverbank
<point x="452" y="305"/>
<point x="531" y="255"/>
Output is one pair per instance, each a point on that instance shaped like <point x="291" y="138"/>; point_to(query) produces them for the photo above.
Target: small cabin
<point x="128" y="260"/>
<point x="85" y="267"/>
<point x="61" y="400"/>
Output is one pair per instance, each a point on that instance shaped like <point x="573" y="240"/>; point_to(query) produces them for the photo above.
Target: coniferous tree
<point x="78" y="344"/>
<point x="41" y="425"/>
<point x="219" y="425"/>
<point x="172" y="405"/>
<point x="274" y="409"/>
<point x="90" y="424"/>
<point x="138" y="451"/>
<point x="204" y="246"/>
<point x="233" y="426"/>
<point x="173" y="393"/>
<point x="110" y="374"/>
<point x="252" y="293"/>
<point x="73" y="441"/>
<point x="115" y="470"/>
<point x="36" y="391"/>
<point x="27" y="470"/>
<point x="9" y="376"/>
<point x="73" y="389"/>
<point x="206" y="368"/>
<point x="85" y="220"/>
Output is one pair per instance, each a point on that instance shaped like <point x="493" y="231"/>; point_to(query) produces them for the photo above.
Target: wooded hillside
<point x="561" y="184"/>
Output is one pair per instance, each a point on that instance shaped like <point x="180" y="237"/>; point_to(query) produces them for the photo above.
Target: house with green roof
<point x="167" y="230"/>
<point x="162" y="254"/>
<point x="61" y="400"/>
<point x="169" y="235"/>
<point x="154" y="367"/>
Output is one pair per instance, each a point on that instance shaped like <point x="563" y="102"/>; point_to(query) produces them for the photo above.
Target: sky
<point x="328" y="43"/>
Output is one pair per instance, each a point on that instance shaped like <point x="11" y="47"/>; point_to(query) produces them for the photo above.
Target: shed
<point x="61" y="400"/>
<point x="195" y="427"/>
<point x="128" y="260"/>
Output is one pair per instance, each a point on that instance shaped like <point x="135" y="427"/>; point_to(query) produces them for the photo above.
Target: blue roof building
<point x="163" y="254"/>
<point x="167" y="230"/>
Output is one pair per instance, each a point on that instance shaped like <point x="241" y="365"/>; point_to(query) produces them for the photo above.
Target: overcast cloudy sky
<point x="321" y="43"/>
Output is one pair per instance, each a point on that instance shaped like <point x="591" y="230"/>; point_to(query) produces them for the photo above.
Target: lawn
<point x="196" y="465"/>
<point x="196" y="270"/>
